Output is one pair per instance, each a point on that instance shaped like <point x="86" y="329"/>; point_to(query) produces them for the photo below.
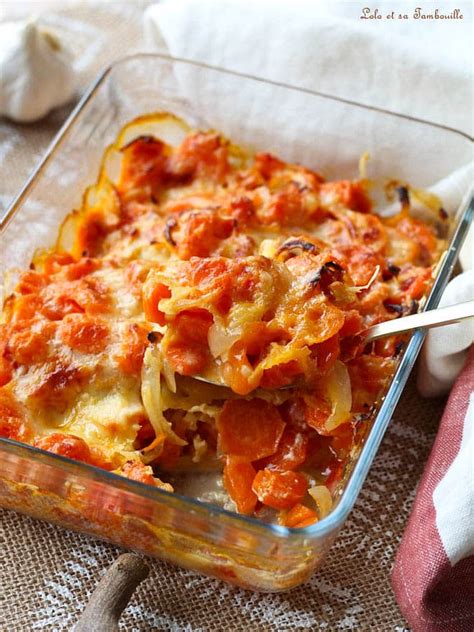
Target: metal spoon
<point x="423" y="320"/>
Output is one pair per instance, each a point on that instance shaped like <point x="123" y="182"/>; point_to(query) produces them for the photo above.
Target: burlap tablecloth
<point x="47" y="574"/>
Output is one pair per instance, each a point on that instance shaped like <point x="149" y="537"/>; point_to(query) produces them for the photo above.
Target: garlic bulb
<point x="36" y="71"/>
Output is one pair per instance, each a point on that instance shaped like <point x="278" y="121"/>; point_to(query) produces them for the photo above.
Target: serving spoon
<point x="424" y="320"/>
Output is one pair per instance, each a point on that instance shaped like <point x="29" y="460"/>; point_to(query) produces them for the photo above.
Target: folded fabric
<point x="446" y="349"/>
<point x="325" y="46"/>
<point x="433" y="577"/>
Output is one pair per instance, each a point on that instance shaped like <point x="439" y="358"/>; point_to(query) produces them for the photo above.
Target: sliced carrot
<point x="349" y="193"/>
<point x="370" y="372"/>
<point x="169" y="455"/>
<point x="214" y="273"/>
<point x="83" y="334"/>
<point x="91" y="295"/>
<point x="317" y="412"/>
<point x="143" y="165"/>
<point x="81" y="268"/>
<point x="13" y="420"/>
<point x="138" y="471"/>
<point x="54" y="262"/>
<point x="66" y="445"/>
<point x="416" y="286"/>
<point x="281" y="374"/>
<point x="268" y="165"/>
<point x="387" y="347"/>
<point x="56" y="305"/>
<point x="343" y="440"/>
<point x="187" y="359"/>
<point x="200" y="232"/>
<point x="30" y="282"/>
<point x="353" y="323"/>
<point x="250" y="429"/>
<point x="239" y="474"/>
<point x="420" y="232"/>
<point x="188" y="351"/>
<point x="360" y="260"/>
<point x="132" y="349"/>
<point x="291" y="452"/>
<point x="300" y="516"/>
<point x="336" y="471"/>
<point x="152" y="295"/>
<point x="24" y="307"/>
<point x="99" y="459"/>
<point x="200" y="154"/>
<point x="90" y="233"/>
<point x="326" y="353"/>
<point x="6" y="365"/>
<point x="193" y="325"/>
<point x="6" y="371"/>
<point x="280" y="490"/>
<point x="27" y="346"/>
<point x="286" y="208"/>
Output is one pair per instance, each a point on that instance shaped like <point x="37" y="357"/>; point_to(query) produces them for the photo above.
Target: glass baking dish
<point x="319" y="131"/>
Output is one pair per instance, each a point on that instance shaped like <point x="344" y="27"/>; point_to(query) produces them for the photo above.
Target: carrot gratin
<point x="200" y="260"/>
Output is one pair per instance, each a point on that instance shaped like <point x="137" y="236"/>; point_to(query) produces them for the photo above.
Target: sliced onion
<point x="363" y="160"/>
<point x="323" y="499"/>
<point x="219" y="340"/>
<point x="169" y="375"/>
<point x="338" y="389"/>
<point x="360" y="288"/>
<point x="426" y="198"/>
<point x="151" y="395"/>
<point x="162" y="125"/>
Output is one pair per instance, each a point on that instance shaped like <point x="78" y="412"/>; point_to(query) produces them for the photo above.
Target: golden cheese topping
<point x="200" y="260"/>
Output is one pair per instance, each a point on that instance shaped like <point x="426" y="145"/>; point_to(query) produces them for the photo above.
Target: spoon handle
<point x="424" y="320"/>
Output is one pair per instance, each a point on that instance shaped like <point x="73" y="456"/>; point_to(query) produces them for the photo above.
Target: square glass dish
<point x="316" y="130"/>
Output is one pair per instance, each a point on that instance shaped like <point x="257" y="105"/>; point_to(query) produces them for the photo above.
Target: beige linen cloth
<point x="47" y="574"/>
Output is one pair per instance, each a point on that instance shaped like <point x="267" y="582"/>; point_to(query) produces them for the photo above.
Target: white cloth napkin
<point x="399" y="65"/>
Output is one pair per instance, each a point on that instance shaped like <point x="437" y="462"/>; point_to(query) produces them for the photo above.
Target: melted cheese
<point x="91" y="343"/>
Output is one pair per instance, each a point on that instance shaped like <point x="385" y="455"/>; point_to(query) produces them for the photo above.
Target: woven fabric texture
<point x="47" y="574"/>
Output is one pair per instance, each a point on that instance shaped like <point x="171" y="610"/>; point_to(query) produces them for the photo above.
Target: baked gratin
<point x="195" y="259"/>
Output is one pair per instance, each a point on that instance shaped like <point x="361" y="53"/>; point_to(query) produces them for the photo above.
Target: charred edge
<point x="152" y="336"/>
<point x="333" y="265"/>
<point x="330" y="267"/>
<point x="170" y="224"/>
<point x="390" y="271"/>
<point x="296" y="244"/>
<point x="394" y="308"/>
<point x="399" y="348"/>
<point x="361" y="417"/>
<point x="403" y="195"/>
<point x="140" y="139"/>
<point x="301" y="187"/>
<point x="369" y="348"/>
<point x="443" y="213"/>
